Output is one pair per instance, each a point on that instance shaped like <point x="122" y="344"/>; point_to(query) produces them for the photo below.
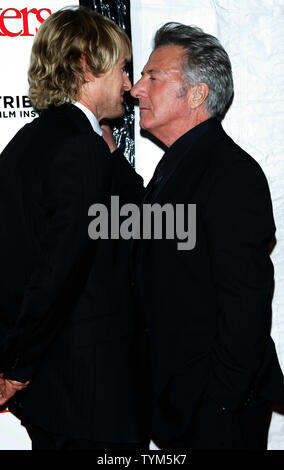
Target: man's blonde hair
<point x="62" y="41"/>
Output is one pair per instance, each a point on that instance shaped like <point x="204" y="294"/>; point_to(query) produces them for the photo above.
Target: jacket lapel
<point x="187" y="171"/>
<point x="190" y="163"/>
<point x="190" y="156"/>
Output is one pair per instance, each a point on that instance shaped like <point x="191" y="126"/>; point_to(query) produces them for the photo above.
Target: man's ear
<point x="88" y="77"/>
<point x="198" y="94"/>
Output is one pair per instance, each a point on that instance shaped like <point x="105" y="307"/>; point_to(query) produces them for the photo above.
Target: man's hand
<point x="2" y="388"/>
<point x="17" y="385"/>
<point x="107" y="136"/>
<point x="8" y="388"/>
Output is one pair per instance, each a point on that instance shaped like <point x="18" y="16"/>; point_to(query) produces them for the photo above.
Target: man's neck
<point x="90" y="115"/>
<point x="171" y="133"/>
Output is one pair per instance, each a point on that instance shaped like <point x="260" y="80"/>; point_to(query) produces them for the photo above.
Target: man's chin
<point x="117" y="113"/>
<point x="143" y="125"/>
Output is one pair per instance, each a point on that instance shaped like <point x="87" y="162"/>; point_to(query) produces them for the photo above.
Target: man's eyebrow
<point x="150" y="71"/>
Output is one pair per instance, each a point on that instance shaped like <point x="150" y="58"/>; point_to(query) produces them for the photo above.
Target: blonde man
<point x="68" y="358"/>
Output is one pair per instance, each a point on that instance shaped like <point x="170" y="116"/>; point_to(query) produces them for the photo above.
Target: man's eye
<point x="152" y="78"/>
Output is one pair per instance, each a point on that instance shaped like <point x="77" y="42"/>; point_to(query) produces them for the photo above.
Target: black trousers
<point x="43" y="440"/>
<point x="214" y="428"/>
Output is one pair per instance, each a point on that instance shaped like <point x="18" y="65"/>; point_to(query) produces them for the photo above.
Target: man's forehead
<point x="164" y="59"/>
<point x="125" y="55"/>
<point x="122" y="61"/>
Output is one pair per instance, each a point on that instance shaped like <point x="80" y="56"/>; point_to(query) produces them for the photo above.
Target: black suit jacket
<point x="206" y="311"/>
<point x="67" y="322"/>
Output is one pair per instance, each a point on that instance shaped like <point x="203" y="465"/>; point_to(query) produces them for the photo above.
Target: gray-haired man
<point x="206" y="310"/>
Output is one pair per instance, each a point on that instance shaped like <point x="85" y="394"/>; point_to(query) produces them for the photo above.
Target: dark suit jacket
<point x="206" y="311"/>
<point x="66" y="319"/>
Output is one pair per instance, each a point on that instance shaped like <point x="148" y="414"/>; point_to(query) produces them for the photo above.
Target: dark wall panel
<point x="123" y="128"/>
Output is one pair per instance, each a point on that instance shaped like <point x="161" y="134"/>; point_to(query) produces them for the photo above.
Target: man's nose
<point x="136" y="89"/>
<point x="126" y="82"/>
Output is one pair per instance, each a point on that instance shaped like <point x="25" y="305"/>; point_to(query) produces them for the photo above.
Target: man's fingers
<point x="18" y="385"/>
<point x="8" y="388"/>
<point x="2" y="388"/>
<point x="7" y="393"/>
<point x="3" y="401"/>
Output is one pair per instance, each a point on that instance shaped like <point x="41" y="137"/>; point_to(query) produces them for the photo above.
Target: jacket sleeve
<point x="126" y="184"/>
<point x="239" y="223"/>
<point x="65" y="256"/>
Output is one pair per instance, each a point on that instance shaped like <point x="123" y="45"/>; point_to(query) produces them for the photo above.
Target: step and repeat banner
<point x="253" y="35"/>
<point x="19" y="21"/>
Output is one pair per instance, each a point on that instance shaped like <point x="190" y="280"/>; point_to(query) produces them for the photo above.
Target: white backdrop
<point x="24" y="17"/>
<point x="252" y="32"/>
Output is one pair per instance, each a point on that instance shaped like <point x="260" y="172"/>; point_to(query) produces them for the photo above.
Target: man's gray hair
<point x="205" y="60"/>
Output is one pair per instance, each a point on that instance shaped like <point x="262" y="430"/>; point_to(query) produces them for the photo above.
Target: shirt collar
<point x="175" y="152"/>
<point x="92" y="118"/>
